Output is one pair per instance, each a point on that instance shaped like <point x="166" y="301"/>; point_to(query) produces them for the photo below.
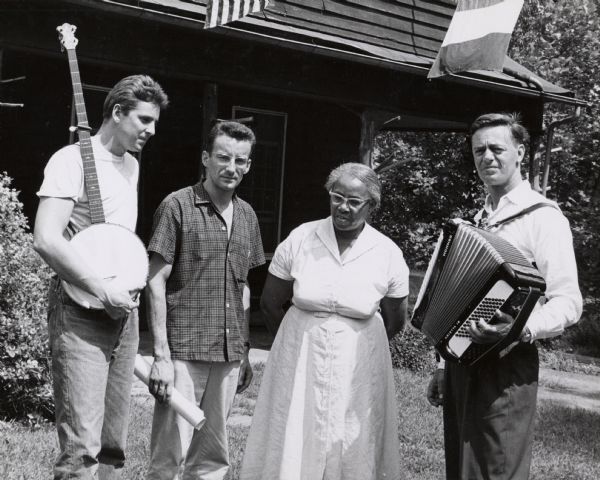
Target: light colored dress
<point x="326" y="407"/>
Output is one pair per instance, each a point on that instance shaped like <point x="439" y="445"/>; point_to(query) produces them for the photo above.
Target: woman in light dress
<point x="326" y="408"/>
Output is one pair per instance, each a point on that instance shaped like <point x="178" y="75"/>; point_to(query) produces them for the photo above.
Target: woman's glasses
<point x="353" y="203"/>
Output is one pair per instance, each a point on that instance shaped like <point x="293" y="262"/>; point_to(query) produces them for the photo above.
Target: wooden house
<point x="318" y="77"/>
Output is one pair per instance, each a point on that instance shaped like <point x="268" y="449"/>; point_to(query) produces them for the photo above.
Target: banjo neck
<point x="111" y="252"/>
<point x="90" y="174"/>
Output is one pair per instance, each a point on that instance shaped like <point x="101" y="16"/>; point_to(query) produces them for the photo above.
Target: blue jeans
<point x="92" y="366"/>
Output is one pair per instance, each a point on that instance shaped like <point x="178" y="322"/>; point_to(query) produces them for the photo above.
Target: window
<point x="262" y="187"/>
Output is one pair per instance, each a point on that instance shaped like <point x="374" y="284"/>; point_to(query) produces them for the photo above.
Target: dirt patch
<point x="574" y="390"/>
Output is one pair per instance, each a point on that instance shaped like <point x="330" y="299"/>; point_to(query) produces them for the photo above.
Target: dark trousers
<point x="489" y="412"/>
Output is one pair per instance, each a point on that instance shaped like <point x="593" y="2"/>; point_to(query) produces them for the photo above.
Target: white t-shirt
<point x="227" y="215"/>
<point x="117" y="177"/>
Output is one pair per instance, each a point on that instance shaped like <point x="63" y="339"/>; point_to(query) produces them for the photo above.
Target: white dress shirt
<point x="324" y="281"/>
<point x="544" y="237"/>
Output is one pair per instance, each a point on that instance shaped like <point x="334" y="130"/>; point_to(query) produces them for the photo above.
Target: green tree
<point x="560" y="40"/>
<point x="430" y="179"/>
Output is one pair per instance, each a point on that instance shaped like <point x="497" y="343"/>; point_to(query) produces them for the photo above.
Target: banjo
<point x="112" y="252"/>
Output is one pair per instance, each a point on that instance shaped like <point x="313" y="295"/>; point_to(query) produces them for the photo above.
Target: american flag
<point x="220" y="12"/>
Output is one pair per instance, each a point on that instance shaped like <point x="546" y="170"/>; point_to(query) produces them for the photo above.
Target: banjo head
<point x="113" y="253"/>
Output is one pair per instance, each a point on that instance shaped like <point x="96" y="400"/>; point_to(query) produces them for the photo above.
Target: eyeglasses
<point x="353" y="203"/>
<point x="240" y="162"/>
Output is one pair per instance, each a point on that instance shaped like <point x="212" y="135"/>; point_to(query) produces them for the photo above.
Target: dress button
<point x="223" y="228"/>
<point x="227" y="305"/>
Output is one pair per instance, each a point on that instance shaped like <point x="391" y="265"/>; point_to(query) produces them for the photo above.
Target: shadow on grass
<point x="566" y="444"/>
<point x="566" y="441"/>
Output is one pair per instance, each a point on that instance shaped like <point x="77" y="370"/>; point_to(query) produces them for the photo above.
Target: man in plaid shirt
<point x="204" y="241"/>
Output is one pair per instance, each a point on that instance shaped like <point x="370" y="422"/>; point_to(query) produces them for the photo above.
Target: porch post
<point x="367" y="137"/>
<point x="209" y="114"/>
<point x="534" y="161"/>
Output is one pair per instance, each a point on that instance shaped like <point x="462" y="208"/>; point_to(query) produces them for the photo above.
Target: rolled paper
<point x="188" y="410"/>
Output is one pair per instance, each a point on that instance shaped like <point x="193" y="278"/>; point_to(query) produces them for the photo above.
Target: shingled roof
<point x="397" y="34"/>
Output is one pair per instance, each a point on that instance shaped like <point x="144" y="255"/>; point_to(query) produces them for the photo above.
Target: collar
<point x="519" y="198"/>
<point x="366" y="240"/>
<point x="102" y="153"/>
<point x="201" y="196"/>
<point x="516" y="196"/>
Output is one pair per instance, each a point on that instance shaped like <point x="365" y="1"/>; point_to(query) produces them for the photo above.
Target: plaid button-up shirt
<point x="205" y="315"/>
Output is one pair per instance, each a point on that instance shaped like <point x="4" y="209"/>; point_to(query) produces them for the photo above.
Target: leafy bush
<point x="584" y="336"/>
<point x="581" y="339"/>
<point x="25" y="383"/>
<point x="411" y="350"/>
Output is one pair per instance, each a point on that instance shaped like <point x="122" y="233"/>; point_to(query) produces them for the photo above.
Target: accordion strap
<point x="525" y="211"/>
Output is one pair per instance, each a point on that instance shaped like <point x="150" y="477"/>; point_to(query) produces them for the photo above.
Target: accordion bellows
<point x="473" y="273"/>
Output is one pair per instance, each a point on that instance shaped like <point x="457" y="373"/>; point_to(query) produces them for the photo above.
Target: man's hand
<point x="435" y="390"/>
<point x="246" y="374"/>
<point x="161" y="379"/>
<point x="118" y="304"/>
<point x="484" y="332"/>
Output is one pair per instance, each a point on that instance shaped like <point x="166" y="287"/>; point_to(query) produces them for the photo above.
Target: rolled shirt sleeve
<point x="555" y="259"/>
<point x="166" y="229"/>
<point x="257" y="253"/>
<point x="398" y="274"/>
<point x="281" y="263"/>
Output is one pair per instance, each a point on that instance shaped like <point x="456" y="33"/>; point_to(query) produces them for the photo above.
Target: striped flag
<point x="478" y="36"/>
<point x="220" y="12"/>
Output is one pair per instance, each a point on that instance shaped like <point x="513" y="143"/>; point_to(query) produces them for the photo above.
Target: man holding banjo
<point x="94" y="342"/>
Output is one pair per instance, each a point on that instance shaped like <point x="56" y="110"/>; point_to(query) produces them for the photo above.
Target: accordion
<point x="473" y="273"/>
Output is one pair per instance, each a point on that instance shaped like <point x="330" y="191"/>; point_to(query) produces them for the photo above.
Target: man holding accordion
<point x="489" y="407"/>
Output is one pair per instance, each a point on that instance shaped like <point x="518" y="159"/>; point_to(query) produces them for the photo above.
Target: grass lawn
<point x="566" y="441"/>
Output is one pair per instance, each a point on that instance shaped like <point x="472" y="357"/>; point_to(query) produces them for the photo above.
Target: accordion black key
<point x="473" y="273"/>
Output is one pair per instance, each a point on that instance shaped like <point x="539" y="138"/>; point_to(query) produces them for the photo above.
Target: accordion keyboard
<point x="460" y="342"/>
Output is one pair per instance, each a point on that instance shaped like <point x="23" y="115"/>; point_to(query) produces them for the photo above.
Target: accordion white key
<point x="473" y="273"/>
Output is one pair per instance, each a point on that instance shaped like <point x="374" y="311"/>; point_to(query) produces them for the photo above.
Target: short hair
<point x="231" y="128"/>
<point x="131" y="90"/>
<point x="511" y="120"/>
<point x="361" y="172"/>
